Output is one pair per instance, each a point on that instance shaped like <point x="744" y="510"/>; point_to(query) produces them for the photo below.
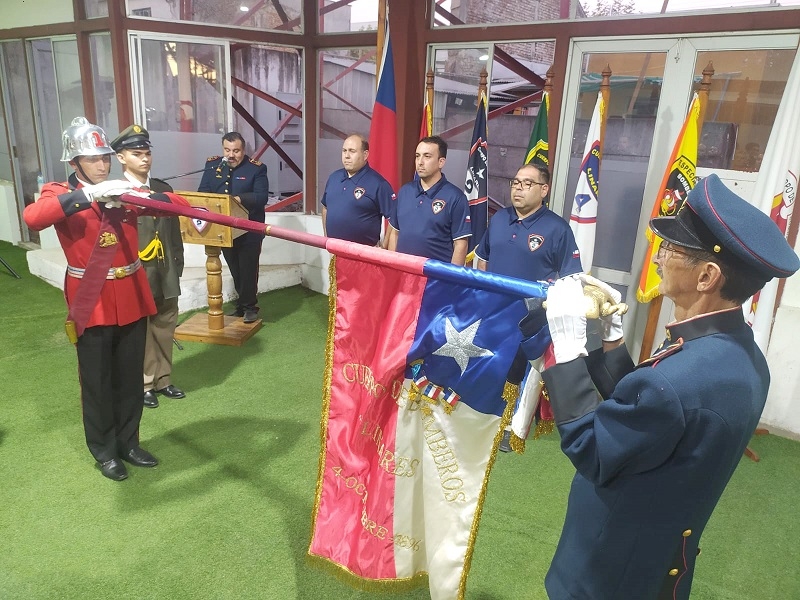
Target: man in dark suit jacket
<point x="653" y="459"/>
<point x="161" y="253"/>
<point x="245" y="178"/>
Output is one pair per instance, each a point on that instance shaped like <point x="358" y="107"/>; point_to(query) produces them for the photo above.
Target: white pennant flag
<point x="775" y="192"/>
<point x="583" y="217"/>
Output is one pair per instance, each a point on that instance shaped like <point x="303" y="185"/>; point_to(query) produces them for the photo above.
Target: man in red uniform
<point x="107" y="294"/>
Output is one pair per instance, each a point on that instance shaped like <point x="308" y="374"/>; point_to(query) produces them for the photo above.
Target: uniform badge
<point x="535" y="242"/>
<point x="199" y="224"/>
<point x="358" y="192"/>
<point x="107" y="239"/>
<point x="437" y="206"/>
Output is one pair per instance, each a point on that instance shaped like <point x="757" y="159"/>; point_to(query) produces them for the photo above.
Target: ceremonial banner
<point x="583" y="217"/>
<point x="678" y="180"/>
<point x="476" y="186"/>
<point x="383" y="128"/>
<point x="538" y="146"/>
<point x="775" y="194"/>
<point x="413" y="411"/>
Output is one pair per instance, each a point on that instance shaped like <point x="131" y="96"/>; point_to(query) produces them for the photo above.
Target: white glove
<point x="610" y="325"/>
<point x="566" y="316"/>
<point x="106" y="190"/>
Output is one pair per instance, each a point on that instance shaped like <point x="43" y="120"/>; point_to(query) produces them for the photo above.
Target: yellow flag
<point x="678" y="180"/>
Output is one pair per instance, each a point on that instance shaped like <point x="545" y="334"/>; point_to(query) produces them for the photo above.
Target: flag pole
<point x="429" y="77"/>
<point x="381" y="39"/>
<point x="548" y="89"/>
<point x="654" y="310"/>
<point x="605" y="91"/>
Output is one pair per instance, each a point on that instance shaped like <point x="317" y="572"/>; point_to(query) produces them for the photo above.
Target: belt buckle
<point x="120" y="273"/>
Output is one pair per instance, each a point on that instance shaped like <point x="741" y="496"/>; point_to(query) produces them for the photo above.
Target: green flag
<point x="538" y="145"/>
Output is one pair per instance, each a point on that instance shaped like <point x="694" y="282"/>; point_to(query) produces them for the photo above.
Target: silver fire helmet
<point x="82" y="138"/>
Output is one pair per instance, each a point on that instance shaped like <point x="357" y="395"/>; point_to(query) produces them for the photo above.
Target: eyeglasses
<point x="668" y="247"/>
<point x="526" y="184"/>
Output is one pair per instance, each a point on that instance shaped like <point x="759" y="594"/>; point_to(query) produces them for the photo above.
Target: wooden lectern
<point x="215" y="328"/>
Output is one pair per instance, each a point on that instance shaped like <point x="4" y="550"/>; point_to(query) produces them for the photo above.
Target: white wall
<point x="9" y="221"/>
<point x="26" y="13"/>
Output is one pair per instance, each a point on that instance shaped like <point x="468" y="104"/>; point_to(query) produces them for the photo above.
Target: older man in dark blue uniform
<point x="653" y="459"/>
<point x="245" y="178"/>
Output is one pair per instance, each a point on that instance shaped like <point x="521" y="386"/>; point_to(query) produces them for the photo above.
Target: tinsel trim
<point x="517" y="443"/>
<point x="544" y="427"/>
<point x="346" y="576"/>
<point x="327" y="377"/>
<point x="510" y="394"/>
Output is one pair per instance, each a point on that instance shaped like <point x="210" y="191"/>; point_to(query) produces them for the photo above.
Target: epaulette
<point x="64" y="184"/>
<point x="673" y="348"/>
<point x="255" y="162"/>
<point x="210" y="158"/>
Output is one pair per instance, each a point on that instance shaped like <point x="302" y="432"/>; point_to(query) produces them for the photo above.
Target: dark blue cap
<point x="718" y="221"/>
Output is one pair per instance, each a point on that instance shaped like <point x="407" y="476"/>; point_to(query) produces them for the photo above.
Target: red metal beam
<point x="493" y="114"/>
<point x="263" y="133"/>
<point x="347" y="103"/>
<point x="267" y="97"/>
<point x="284" y="203"/>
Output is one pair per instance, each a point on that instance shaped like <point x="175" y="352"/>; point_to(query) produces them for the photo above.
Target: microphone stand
<point x="219" y="167"/>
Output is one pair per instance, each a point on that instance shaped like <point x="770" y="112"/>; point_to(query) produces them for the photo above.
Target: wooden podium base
<point x="235" y="332"/>
<point x="213" y="327"/>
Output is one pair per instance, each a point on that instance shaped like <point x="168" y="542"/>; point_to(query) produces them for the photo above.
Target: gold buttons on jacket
<point x="687" y="533"/>
<point x="673" y="572"/>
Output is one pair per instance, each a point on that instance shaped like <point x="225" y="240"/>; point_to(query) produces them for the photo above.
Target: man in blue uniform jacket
<point x="245" y="178"/>
<point x="653" y="459"/>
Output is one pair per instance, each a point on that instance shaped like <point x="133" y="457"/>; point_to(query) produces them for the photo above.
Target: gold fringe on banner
<point x="510" y="393"/>
<point x="544" y="427"/>
<point x="357" y="582"/>
<point x="327" y="377"/>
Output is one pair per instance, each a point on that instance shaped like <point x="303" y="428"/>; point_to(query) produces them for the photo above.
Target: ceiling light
<point x="243" y="8"/>
<point x="483" y="57"/>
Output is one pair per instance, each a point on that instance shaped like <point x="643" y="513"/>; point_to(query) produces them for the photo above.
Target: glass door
<point x="181" y="93"/>
<point x="652" y="83"/>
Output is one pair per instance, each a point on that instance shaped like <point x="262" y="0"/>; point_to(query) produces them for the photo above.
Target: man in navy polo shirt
<point x="431" y="216"/>
<point x="527" y="240"/>
<point x="356" y="197"/>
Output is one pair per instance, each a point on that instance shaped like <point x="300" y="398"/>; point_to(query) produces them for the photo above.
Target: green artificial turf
<point x="226" y="515"/>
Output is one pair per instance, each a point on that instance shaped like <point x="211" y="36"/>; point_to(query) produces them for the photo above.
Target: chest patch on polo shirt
<point x="437" y="206"/>
<point x="358" y="192"/>
<point x="535" y="242"/>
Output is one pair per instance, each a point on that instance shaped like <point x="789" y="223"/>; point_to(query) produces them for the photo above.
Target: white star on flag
<point x="460" y="346"/>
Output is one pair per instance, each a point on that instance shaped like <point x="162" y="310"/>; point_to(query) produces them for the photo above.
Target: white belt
<point x="113" y="272"/>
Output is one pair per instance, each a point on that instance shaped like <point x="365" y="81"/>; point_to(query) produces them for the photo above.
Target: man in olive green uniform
<point x="161" y="253"/>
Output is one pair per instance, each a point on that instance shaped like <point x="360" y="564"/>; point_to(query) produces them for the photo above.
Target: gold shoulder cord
<point x="155" y="249"/>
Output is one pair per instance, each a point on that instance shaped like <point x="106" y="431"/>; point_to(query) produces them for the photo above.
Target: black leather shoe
<point x="150" y="399"/>
<point x="139" y="457"/>
<point x="505" y="443"/>
<point x="239" y="312"/>
<point x="250" y="316"/>
<point x="113" y="469"/>
<point x="172" y="392"/>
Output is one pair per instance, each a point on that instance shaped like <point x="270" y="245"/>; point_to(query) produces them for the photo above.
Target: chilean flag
<point x="413" y="412"/>
<point x="383" y="129"/>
